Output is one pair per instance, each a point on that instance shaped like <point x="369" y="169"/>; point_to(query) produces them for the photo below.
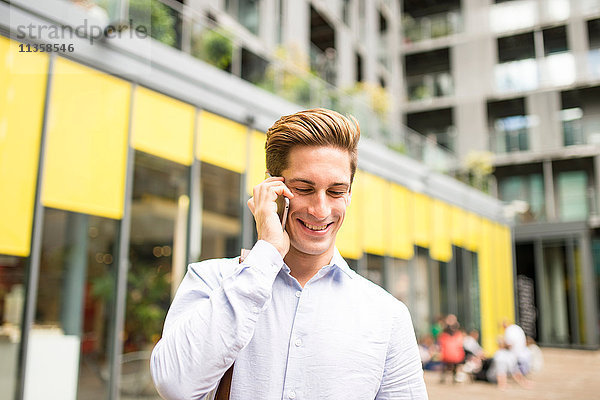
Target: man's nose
<point x="319" y="206"/>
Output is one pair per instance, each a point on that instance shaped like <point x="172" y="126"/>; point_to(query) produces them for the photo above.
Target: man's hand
<point x="264" y="209"/>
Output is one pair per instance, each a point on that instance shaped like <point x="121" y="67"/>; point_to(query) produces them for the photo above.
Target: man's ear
<point x="348" y="198"/>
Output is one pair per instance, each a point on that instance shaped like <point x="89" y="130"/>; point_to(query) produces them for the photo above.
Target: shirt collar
<point x="339" y="262"/>
<point x="336" y="261"/>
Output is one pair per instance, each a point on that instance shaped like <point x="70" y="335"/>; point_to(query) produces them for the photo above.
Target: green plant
<point x="213" y="46"/>
<point x="162" y="19"/>
<point x="479" y="168"/>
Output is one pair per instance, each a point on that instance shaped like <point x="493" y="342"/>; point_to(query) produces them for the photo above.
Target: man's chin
<point x="312" y="250"/>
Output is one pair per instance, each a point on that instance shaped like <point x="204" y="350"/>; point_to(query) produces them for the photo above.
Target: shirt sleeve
<point x="403" y="373"/>
<point x="212" y="318"/>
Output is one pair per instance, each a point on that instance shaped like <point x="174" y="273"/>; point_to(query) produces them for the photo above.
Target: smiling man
<point x="292" y="320"/>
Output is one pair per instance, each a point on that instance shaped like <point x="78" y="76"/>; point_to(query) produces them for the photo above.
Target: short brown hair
<point x="316" y="127"/>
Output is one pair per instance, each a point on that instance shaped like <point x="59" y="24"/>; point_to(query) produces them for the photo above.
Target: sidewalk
<point x="567" y="374"/>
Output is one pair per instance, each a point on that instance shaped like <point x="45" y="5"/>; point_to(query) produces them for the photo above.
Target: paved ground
<point x="567" y="374"/>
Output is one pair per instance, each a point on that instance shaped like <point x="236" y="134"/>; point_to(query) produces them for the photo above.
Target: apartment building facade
<point x="521" y="79"/>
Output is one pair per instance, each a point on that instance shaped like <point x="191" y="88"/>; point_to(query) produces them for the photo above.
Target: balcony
<point x="431" y="26"/>
<point x="291" y="77"/>
<point x="530" y="74"/>
<point x="429" y="86"/>
<point x="577" y="130"/>
<point x="510" y="134"/>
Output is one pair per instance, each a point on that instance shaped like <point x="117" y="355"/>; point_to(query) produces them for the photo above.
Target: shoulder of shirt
<point x="214" y="268"/>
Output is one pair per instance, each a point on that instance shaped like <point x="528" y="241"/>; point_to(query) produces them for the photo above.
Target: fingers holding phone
<point x="264" y="206"/>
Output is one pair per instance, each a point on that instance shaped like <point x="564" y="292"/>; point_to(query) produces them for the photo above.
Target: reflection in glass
<point x="420" y="281"/>
<point x="12" y="298"/>
<point x="555" y="325"/>
<point x="511" y="134"/>
<point x="157" y="249"/>
<point x="69" y="341"/>
<point x="399" y="281"/>
<point x="572" y="195"/>
<point x="221" y="212"/>
<point x="528" y="188"/>
<point x="375" y="269"/>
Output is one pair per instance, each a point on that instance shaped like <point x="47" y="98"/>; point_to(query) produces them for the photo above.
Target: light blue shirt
<point x="339" y="337"/>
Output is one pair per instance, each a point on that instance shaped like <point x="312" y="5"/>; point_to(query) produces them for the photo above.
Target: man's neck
<point x="304" y="266"/>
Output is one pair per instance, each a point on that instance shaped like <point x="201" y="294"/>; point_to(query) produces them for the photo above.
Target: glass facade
<point x="12" y="298"/>
<point x="159" y="212"/>
<point x="69" y="342"/>
<point x="221" y="212"/>
<point x="573" y="195"/>
<point x="528" y="188"/>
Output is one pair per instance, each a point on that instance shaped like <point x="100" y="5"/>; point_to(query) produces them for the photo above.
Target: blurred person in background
<point x="514" y="336"/>
<point x="501" y="367"/>
<point x="451" y="349"/>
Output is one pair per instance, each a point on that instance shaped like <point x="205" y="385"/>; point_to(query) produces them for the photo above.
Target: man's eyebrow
<point x="309" y="182"/>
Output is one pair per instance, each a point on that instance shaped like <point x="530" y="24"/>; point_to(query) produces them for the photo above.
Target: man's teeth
<point x="314" y="227"/>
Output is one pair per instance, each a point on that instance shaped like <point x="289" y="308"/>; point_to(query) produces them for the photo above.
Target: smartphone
<point x="283" y="206"/>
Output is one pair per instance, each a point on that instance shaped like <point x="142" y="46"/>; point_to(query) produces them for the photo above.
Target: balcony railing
<point x="530" y="74"/>
<point x="432" y="26"/>
<point x="510" y="134"/>
<point x="428" y="86"/>
<point x="182" y="27"/>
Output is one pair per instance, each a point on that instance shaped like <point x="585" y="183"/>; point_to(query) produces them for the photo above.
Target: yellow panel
<point x="506" y="297"/>
<point x="458" y="230"/>
<point x="87" y="141"/>
<point x="473" y="226"/>
<point x="510" y="297"/>
<point x="489" y="323"/>
<point x="401" y="222"/>
<point x="422" y="226"/>
<point x="375" y="213"/>
<point x="221" y="142"/>
<point x="256" y="163"/>
<point x="441" y="247"/>
<point x="349" y="238"/>
<point x="163" y="126"/>
<point x="22" y="92"/>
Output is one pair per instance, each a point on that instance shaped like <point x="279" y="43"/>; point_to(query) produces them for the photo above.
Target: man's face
<point x="319" y="178"/>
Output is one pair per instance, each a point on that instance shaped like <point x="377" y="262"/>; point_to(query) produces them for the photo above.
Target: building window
<point x="375" y="269"/>
<point x="528" y="189"/>
<point x="221" y="213"/>
<point x="428" y="75"/>
<point x="509" y="125"/>
<point x="517" y="68"/>
<point x="579" y="116"/>
<point x="12" y="299"/>
<point x="572" y="195"/>
<point x="322" y="47"/>
<point x="431" y="19"/>
<point x="246" y="12"/>
<point x="157" y="255"/>
<point x="436" y="125"/>
<point x="593" y="28"/>
<point x="74" y="306"/>
<point x="254" y="67"/>
<point x="555" y="40"/>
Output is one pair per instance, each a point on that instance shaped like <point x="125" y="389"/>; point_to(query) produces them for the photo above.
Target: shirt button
<point x="292" y="394"/>
<point x="298" y="293"/>
<point x="298" y="342"/>
<point x="255" y="309"/>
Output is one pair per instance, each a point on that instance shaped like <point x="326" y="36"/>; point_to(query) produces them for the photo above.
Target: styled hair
<point x="315" y="127"/>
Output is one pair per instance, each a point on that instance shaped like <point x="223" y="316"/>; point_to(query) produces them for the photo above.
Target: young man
<point x="297" y="322"/>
